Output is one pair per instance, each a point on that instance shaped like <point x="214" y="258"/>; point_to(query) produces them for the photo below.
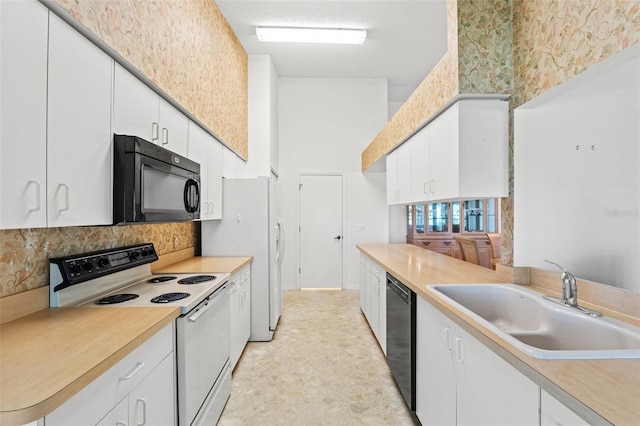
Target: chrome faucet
<point x="570" y="292"/>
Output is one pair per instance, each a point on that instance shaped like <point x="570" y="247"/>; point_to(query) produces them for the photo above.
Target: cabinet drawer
<point x="97" y="399"/>
<point x="245" y="274"/>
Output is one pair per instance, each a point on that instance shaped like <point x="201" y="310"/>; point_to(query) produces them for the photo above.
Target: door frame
<point x="299" y="217"/>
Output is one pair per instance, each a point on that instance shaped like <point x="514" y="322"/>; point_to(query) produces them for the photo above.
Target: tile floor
<point x="323" y="367"/>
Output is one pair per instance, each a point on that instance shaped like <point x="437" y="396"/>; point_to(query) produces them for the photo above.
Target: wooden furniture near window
<point x="433" y="226"/>
<point x="468" y="249"/>
<point x="495" y="241"/>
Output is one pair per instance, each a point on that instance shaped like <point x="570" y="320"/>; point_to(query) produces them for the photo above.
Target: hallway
<point x="323" y="367"/>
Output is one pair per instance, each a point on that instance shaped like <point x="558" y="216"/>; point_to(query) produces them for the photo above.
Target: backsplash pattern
<point x="187" y="49"/>
<point x="24" y="253"/>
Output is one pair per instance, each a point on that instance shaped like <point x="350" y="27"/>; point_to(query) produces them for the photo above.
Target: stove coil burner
<point x="169" y="297"/>
<point x="161" y="279"/>
<point x="116" y="298"/>
<point x="197" y="279"/>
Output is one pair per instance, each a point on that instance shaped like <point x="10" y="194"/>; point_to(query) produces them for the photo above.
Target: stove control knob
<point x="103" y="262"/>
<point x="135" y="255"/>
<point x="87" y="266"/>
<point x="74" y="268"/>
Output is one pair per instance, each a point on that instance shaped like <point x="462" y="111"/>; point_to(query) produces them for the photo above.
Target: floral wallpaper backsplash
<point x="25" y="253"/>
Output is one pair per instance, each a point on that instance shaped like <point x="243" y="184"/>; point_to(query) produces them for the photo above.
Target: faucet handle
<point x="554" y="263"/>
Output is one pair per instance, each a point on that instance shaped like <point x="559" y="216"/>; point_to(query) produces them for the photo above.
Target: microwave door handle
<point x="191" y="196"/>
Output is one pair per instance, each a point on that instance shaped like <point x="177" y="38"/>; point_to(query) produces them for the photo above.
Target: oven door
<point x="203" y="348"/>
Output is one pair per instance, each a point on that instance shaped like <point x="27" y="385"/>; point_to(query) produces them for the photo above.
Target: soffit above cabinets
<point x="405" y="39"/>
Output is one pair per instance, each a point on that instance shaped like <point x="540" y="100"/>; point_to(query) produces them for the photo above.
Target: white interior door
<point x="321" y="237"/>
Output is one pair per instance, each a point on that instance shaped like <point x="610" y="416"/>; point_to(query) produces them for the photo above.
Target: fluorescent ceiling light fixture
<point x="311" y="35"/>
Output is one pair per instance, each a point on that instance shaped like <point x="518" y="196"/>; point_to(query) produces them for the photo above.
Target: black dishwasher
<point x="401" y="338"/>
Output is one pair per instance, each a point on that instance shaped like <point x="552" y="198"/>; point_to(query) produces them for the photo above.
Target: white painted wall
<point x="324" y="125"/>
<point x="577" y="175"/>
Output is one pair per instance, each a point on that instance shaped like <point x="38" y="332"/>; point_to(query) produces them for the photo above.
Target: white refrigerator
<point x="251" y="225"/>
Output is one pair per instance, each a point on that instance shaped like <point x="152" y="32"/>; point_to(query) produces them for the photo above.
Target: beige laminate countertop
<point x="48" y="356"/>
<point x="601" y="390"/>
<point x="206" y="264"/>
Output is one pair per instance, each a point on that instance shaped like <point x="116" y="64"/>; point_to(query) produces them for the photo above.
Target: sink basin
<point x="539" y="327"/>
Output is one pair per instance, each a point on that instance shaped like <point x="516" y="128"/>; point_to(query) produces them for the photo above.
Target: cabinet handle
<point x="143" y="402"/>
<point x="133" y="372"/>
<point x="447" y="338"/>
<point x="426" y="187"/>
<point x="154" y="132"/>
<point x="37" y="185"/>
<point x="165" y="136"/>
<point x="66" y="197"/>
<point x="121" y="423"/>
<point x="211" y="207"/>
<point x="447" y="243"/>
<point x="432" y="186"/>
<point x="426" y="243"/>
<point x="459" y="350"/>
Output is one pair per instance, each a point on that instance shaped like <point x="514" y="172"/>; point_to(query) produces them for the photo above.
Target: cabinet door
<point x="245" y="327"/>
<point x="404" y="172"/>
<point x="435" y="378"/>
<point x="174" y="128"/>
<point x="421" y="166"/>
<point x="118" y="416"/>
<point x="135" y="107"/>
<point x="444" y="155"/>
<point x="153" y="402"/>
<point x="79" y="163"/>
<point x="484" y="152"/>
<point x="23" y="116"/>
<point x="489" y="390"/>
<point x="382" y="304"/>
<point x="363" y="284"/>
<point x="235" y="301"/>
<point x="215" y="179"/>
<point x="198" y="151"/>
<point x="555" y="413"/>
<point x="392" y="178"/>
<point x="374" y="307"/>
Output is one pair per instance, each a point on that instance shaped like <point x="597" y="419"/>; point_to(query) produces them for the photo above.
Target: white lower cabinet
<point x="373" y="298"/>
<point x="462" y="382"/>
<point x="240" y="312"/>
<point x="138" y="390"/>
<point x="555" y="413"/>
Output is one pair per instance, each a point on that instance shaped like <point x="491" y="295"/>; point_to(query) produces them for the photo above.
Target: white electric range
<point x="122" y="278"/>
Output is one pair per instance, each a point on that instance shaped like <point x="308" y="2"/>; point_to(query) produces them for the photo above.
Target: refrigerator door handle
<point x="282" y="242"/>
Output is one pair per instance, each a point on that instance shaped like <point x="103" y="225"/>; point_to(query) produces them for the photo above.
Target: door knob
<point x="339" y="237"/>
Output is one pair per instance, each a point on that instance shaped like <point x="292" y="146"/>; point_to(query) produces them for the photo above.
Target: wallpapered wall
<point x="187" y="49"/>
<point x="517" y="47"/>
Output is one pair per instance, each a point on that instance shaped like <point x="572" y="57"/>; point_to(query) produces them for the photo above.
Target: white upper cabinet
<point x="421" y="164"/>
<point x="207" y="151"/>
<point x="79" y="156"/>
<point x="399" y="175"/>
<point x="139" y="111"/>
<point x="462" y="153"/>
<point x="23" y="115"/>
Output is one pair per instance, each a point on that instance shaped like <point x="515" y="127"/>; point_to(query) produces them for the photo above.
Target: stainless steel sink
<point x="539" y="327"/>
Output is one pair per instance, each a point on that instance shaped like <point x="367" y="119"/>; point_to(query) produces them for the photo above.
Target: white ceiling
<point x="405" y="39"/>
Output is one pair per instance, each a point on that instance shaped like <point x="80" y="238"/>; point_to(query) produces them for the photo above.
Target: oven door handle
<point x="200" y="312"/>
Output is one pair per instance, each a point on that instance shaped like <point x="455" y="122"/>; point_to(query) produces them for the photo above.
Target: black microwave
<point x="152" y="184"/>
